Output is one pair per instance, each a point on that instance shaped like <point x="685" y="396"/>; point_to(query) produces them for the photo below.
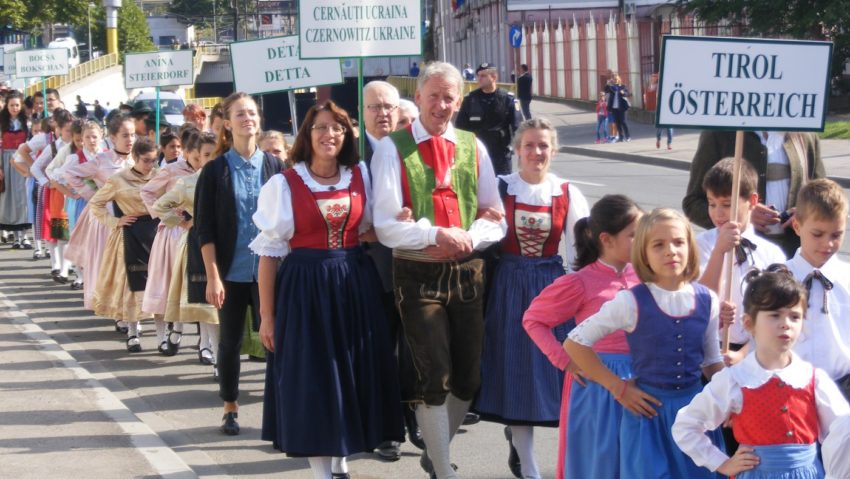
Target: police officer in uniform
<point x="493" y="115"/>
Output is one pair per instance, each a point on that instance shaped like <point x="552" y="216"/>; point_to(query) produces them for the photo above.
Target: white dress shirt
<point x="46" y="158"/>
<point x="776" y="192"/>
<point x="836" y="449"/>
<point x="541" y="195"/>
<point x="621" y="313"/>
<point x="274" y="216"/>
<point x="825" y="341"/>
<point x="386" y="175"/>
<point x="765" y="254"/>
<point x="722" y="397"/>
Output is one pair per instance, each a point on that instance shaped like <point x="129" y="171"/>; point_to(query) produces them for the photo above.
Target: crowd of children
<point x="639" y="387"/>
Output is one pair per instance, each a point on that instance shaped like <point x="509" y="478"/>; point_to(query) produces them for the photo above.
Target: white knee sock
<point x="523" y="441"/>
<point x="38" y="245"/>
<point x="132" y="329"/>
<point x="457" y="412"/>
<point x="79" y="274"/>
<point x="160" y="328"/>
<point x="55" y="262"/>
<point x="339" y="465"/>
<point x="213" y="331"/>
<point x="64" y="264"/>
<point x="178" y="327"/>
<point x="434" y="424"/>
<point x="321" y="467"/>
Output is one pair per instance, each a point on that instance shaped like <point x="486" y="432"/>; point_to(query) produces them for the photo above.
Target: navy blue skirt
<point x="331" y="386"/>
<point x="519" y="386"/>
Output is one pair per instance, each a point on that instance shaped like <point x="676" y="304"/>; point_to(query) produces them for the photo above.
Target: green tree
<point x="800" y="19"/>
<point x="13" y="13"/>
<point x="201" y="12"/>
<point x="134" y="35"/>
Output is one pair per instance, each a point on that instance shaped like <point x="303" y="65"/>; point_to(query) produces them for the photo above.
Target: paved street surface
<point x="76" y="404"/>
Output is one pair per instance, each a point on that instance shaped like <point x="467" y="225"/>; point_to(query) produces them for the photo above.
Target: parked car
<point x="171" y="105"/>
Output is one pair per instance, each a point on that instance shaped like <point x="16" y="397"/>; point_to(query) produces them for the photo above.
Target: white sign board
<point x="743" y="83"/>
<point x="272" y="65"/>
<point x="165" y="68"/>
<point x="362" y="28"/>
<point x="41" y="63"/>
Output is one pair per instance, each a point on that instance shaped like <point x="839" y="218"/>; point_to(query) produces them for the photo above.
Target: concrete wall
<point x="105" y="86"/>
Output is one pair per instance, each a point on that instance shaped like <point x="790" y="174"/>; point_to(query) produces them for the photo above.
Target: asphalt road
<point x="177" y="398"/>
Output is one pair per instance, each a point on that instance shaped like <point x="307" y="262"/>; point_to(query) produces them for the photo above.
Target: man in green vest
<point x="443" y="176"/>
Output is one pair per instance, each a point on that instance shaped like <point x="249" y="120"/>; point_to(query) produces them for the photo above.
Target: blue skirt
<point x="74" y="209"/>
<point x="519" y="386"/>
<point x="332" y="384"/>
<point x="650" y="452"/>
<point x="593" y="425"/>
<point x="786" y="461"/>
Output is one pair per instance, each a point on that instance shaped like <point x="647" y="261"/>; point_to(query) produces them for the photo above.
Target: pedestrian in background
<point x="618" y="105"/>
<point x="601" y="119"/>
<point x="523" y="86"/>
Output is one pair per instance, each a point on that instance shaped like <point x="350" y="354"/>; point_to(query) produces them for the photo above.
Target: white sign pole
<point x="157" y="115"/>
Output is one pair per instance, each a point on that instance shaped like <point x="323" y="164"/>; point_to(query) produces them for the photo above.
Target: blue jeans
<point x="601" y="127"/>
<point x="669" y="134"/>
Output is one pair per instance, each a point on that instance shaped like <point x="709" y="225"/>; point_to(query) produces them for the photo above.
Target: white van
<point x="71" y="45"/>
<point x="171" y="105"/>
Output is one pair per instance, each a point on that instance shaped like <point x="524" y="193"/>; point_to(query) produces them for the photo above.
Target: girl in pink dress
<point x="89" y="236"/>
<point x="165" y="245"/>
<point x="589" y="424"/>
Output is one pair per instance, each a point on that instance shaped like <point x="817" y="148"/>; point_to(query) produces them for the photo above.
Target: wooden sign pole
<point x="729" y="259"/>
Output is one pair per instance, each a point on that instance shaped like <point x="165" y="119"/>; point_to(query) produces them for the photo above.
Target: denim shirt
<point x="247" y="180"/>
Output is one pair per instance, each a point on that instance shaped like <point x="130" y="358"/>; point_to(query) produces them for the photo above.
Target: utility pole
<point x="215" y="23"/>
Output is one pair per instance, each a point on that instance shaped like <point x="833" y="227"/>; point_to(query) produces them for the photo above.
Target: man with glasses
<point x="493" y="115"/>
<point x="443" y="177"/>
<point x="380" y="119"/>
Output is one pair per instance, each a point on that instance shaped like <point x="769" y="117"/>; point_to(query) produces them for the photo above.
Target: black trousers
<point x="622" y="126"/>
<point x="238" y="297"/>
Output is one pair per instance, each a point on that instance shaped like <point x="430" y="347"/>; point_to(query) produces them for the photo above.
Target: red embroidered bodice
<point x="535" y="231"/>
<point x="777" y="413"/>
<point x="326" y="219"/>
<point x="11" y="140"/>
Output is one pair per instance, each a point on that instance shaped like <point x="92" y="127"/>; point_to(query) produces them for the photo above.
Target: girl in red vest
<point x="780" y="406"/>
<point x="13" y="199"/>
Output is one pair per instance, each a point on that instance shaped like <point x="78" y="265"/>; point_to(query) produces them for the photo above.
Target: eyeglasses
<point x="379" y="108"/>
<point x="335" y="128"/>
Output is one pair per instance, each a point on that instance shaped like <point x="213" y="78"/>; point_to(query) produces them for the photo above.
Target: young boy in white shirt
<point x="820" y="221"/>
<point x="736" y="235"/>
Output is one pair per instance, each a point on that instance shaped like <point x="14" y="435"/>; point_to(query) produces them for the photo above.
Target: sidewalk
<point x="58" y="420"/>
<point x="577" y="135"/>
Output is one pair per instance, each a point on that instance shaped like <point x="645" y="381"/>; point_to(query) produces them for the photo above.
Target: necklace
<point x="323" y="177"/>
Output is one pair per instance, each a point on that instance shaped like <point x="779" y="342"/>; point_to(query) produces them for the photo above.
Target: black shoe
<point x="215" y="372"/>
<point x="471" y="418"/>
<point x="120" y="329"/>
<point x="229" y="425"/>
<point x="427" y="466"/>
<point x="60" y="279"/>
<point x="54" y="273"/>
<point x="388" y="451"/>
<point x="206" y="360"/>
<point x="25" y="244"/>
<point x="173" y="346"/>
<point x="340" y="475"/>
<point x="16" y="245"/>
<point x="414" y="435"/>
<point x="76" y="286"/>
<point x="163" y="348"/>
<point x="513" y="457"/>
<point x="134" y="345"/>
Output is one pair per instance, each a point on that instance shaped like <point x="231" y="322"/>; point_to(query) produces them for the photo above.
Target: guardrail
<point x="206" y="103"/>
<point x="76" y="73"/>
<point x="406" y="86"/>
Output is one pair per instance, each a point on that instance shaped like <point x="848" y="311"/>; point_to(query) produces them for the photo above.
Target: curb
<point x="162" y="459"/>
<point x="844" y="182"/>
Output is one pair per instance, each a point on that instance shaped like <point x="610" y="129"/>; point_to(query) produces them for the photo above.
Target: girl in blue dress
<point x="671" y="325"/>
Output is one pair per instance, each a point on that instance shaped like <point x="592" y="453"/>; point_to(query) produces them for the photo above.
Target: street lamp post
<point x="88" y="11"/>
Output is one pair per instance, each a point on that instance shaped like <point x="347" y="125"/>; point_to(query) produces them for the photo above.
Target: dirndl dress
<point x="331" y="387"/>
<point x="13" y="199"/>
<point x="519" y="386"/>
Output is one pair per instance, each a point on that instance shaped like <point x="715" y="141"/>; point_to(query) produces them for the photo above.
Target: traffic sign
<point x="515" y="36"/>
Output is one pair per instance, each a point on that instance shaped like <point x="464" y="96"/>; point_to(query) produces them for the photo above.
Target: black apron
<point x="138" y="239"/>
<point x="196" y="273"/>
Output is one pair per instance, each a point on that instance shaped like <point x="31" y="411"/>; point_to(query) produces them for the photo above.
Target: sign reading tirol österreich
<point x="158" y="69"/>
<point x="41" y="63"/>
<point x="360" y="28"/>
<point x="272" y="65"/>
<point x="743" y="83"/>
